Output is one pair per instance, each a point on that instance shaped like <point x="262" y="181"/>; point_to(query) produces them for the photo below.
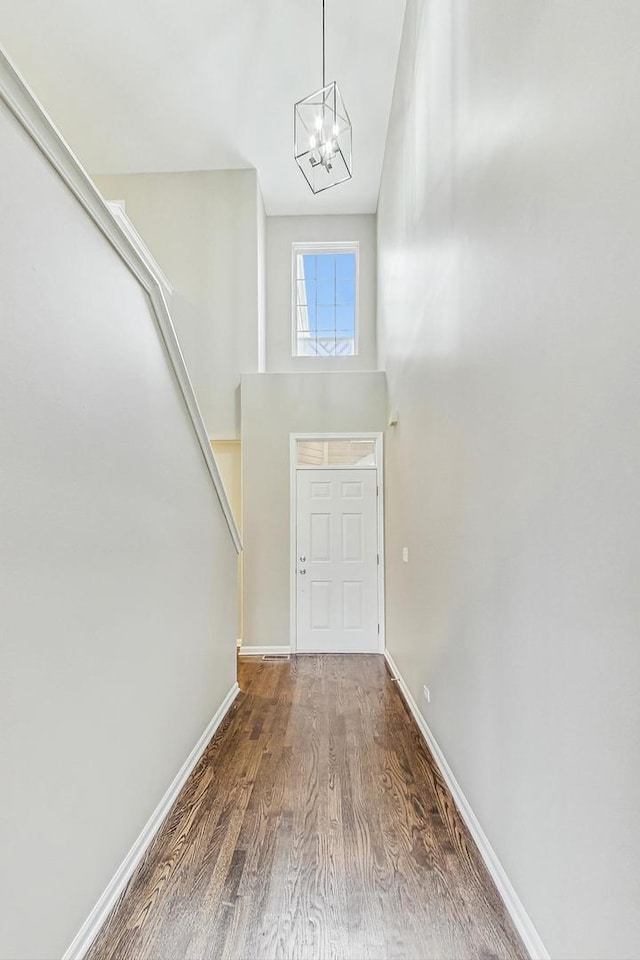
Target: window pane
<point x="344" y="346"/>
<point x="345" y="264"/>
<point x="345" y="318"/>
<point x="310" y="288"/>
<point x="303" y="319"/>
<point x="303" y="291"/>
<point x="306" y="345"/>
<point x="325" y="266"/>
<point x="310" y="453"/>
<point x="307" y="266"/>
<point x="336" y="453"/>
<point x="326" y="292"/>
<point x="311" y="316"/>
<point x="345" y="290"/>
<point x="325" y="313"/>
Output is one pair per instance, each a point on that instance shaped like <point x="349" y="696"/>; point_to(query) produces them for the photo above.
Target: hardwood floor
<point x="315" y="826"/>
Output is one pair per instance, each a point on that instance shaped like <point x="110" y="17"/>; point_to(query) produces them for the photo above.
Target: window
<point x="336" y="453"/>
<point x="325" y="299"/>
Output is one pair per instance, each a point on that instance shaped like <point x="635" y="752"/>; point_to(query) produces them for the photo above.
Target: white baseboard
<point x="521" y="919"/>
<point x="263" y="651"/>
<point x="91" y="927"/>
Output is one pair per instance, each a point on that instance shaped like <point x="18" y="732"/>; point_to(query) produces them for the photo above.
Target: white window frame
<point x="345" y="246"/>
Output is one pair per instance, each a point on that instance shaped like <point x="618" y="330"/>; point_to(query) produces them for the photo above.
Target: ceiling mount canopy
<point x="322" y="134"/>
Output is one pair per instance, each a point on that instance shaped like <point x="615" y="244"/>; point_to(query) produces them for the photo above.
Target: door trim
<point x="293" y="521"/>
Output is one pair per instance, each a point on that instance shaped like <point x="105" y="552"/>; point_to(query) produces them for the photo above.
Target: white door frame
<point x="293" y="521"/>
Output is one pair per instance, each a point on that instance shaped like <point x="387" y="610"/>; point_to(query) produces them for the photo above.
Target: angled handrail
<point x="118" y="210"/>
<point x="32" y="116"/>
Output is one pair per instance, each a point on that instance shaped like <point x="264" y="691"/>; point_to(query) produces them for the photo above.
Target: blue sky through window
<point x="326" y="296"/>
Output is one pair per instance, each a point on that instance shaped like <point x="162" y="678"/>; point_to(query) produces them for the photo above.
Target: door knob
<point x="302" y="559"/>
<point x="302" y="571"/>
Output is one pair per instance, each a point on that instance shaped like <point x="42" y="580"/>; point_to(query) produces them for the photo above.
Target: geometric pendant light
<point x="322" y="134"/>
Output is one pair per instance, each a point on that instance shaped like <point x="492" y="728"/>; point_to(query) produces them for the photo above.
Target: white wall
<point x="509" y="297"/>
<point x="282" y="232"/>
<point x="117" y="571"/>
<point x="203" y="229"/>
<point x="273" y="407"/>
<point x="262" y="281"/>
<point x="229" y="460"/>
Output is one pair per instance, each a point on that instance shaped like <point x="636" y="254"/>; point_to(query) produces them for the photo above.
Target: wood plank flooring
<point x="315" y="827"/>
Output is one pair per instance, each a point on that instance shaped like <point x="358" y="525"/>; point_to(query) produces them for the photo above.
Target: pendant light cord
<point x="324" y="82"/>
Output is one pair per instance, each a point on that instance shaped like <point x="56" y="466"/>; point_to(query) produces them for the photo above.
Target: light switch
<point x="405" y="554"/>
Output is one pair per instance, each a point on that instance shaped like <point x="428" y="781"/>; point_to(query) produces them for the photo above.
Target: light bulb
<point x="312" y="142"/>
<point x="318" y="123"/>
<point x="336" y="129"/>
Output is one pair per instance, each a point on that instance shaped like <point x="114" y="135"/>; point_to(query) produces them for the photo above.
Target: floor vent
<point x="277" y="656"/>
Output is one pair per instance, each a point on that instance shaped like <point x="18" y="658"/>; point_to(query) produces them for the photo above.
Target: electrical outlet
<point x="405" y="554"/>
<point x="427" y="694"/>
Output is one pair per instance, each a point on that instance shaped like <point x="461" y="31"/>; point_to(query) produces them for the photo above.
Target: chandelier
<point x="322" y="134"/>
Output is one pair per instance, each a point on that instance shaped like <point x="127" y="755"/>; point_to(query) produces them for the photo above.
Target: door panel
<point x="336" y="570"/>
<point x="352" y="605"/>
<point x="352" y="538"/>
<point x="320" y="548"/>
<point x="320" y="611"/>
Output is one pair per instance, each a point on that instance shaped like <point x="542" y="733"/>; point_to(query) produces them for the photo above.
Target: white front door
<point x="337" y="561"/>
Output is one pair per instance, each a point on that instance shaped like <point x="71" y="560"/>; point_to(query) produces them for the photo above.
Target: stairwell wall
<point x="117" y="570"/>
<point x="206" y="230"/>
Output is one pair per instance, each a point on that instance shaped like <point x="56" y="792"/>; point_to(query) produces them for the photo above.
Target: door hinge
<point x="378" y="629"/>
<point x="378" y="559"/>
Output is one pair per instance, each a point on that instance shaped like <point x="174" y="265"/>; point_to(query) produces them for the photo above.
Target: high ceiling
<point x="159" y="85"/>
